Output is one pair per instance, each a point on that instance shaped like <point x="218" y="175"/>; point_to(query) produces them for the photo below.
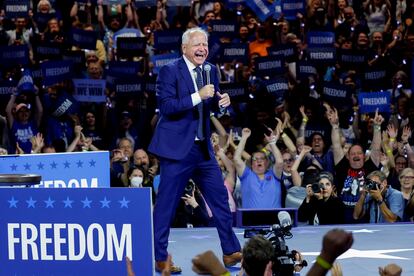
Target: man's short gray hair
<point x="186" y="35"/>
<point x="378" y="174"/>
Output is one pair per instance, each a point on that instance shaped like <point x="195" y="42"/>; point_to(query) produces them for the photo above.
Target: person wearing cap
<point x="21" y="125"/>
<point x="321" y="205"/>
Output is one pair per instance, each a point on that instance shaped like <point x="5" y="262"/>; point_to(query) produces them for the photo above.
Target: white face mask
<point x="136" y="181"/>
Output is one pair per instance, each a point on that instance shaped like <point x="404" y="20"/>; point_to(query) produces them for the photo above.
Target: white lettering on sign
<point x="95" y="241"/>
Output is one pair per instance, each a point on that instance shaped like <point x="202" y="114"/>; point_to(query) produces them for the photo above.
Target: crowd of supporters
<point x="302" y="134"/>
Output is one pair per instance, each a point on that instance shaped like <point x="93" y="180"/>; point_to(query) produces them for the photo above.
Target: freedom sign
<point x="369" y="102"/>
<point x="75" y="231"/>
<point x="62" y="170"/>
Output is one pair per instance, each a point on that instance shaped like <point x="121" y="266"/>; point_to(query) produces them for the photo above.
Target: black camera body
<point x="317" y="187"/>
<point x="189" y="189"/>
<point x="370" y="185"/>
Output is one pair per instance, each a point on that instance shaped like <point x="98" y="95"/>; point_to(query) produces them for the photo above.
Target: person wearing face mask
<point x="321" y="205"/>
<point x="380" y="202"/>
<point x="136" y="177"/>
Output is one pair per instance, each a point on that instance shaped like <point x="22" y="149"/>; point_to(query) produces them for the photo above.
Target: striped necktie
<point x="199" y="82"/>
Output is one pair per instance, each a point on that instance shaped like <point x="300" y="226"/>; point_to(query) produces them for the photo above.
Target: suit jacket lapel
<point x="185" y="74"/>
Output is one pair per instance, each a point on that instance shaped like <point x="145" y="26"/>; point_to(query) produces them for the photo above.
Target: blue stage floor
<point x="374" y="245"/>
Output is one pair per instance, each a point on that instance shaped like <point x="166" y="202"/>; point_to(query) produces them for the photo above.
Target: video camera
<point x="284" y="260"/>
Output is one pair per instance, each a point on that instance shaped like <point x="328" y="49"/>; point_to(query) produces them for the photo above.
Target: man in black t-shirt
<point x="352" y="169"/>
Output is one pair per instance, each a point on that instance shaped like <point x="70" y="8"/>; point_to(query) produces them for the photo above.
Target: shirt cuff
<point x="195" y="98"/>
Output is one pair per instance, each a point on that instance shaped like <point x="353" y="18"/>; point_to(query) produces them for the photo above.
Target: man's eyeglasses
<point x="290" y="160"/>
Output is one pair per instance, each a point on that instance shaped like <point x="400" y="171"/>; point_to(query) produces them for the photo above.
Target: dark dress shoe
<point x="230" y="260"/>
<point x="160" y="266"/>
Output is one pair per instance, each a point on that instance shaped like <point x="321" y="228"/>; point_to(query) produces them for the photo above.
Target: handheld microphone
<point x="207" y="69"/>
<point x="284" y="219"/>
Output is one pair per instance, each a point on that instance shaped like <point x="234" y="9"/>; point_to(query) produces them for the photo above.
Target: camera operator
<point x="384" y="204"/>
<point x="321" y="205"/>
<point x="258" y="253"/>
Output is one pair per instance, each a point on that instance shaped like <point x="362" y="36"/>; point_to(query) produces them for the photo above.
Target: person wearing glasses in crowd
<point x="407" y="188"/>
<point x="260" y="186"/>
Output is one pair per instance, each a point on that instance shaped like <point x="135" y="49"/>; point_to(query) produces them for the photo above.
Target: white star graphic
<point x="373" y="254"/>
<point x="364" y="231"/>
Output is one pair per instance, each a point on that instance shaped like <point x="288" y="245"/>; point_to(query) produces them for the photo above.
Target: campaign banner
<point x="7" y="87"/>
<point x="322" y="55"/>
<point x="47" y="50"/>
<point x="179" y="3"/>
<point x="337" y="94"/>
<point x="353" y="58"/>
<point x="76" y="57"/>
<point x="167" y="40"/>
<point x="57" y="232"/>
<point x="374" y="79"/>
<point x="160" y="60"/>
<point x="113" y="2"/>
<point x="14" y="55"/>
<point x="235" y="52"/>
<point x="236" y="91"/>
<point x="145" y="3"/>
<point x="150" y="84"/>
<point x="269" y="66"/>
<point x="369" y="102"/>
<point x="233" y="4"/>
<point x="124" y="68"/>
<point x="277" y="9"/>
<point x="290" y="8"/>
<point x="262" y="8"/>
<point x="128" y="47"/>
<point x="277" y="87"/>
<point x="16" y="8"/>
<point x="126" y="32"/>
<point x="89" y="90"/>
<point x="223" y="28"/>
<point x="214" y="49"/>
<point x="305" y="69"/>
<point x="321" y="39"/>
<point x="287" y="50"/>
<point x="56" y="71"/>
<point x="62" y="170"/>
<point x="310" y="129"/>
<point x="84" y="39"/>
<point x="129" y="86"/>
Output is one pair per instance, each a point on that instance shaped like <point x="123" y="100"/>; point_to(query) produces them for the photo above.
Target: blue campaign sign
<point x="262" y="8"/>
<point x="62" y="170"/>
<point x="13" y="55"/>
<point x="56" y="71"/>
<point x="321" y="39"/>
<point x="16" y="8"/>
<point x="369" y="102"/>
<point x="89" y="90"/>
<point x="84" y="39"/>
<point x="45" y="232"/>
<point x="290" y="8"/>
<point x="167" y="40"/>
<point x="161" y="60"/>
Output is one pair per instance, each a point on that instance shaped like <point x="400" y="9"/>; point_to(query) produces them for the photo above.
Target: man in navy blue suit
<point x="187" y="90"/>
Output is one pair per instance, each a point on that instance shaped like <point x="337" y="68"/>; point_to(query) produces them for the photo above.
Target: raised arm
<point x="271" y="140"/>
<point x="376" y="139"/>
<point x="39" y="108"/>
<point x="337" y="150"/>
<point x="296" y="179"/>
<point x="286" y="139"/>
<point x="238" y="162"/>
